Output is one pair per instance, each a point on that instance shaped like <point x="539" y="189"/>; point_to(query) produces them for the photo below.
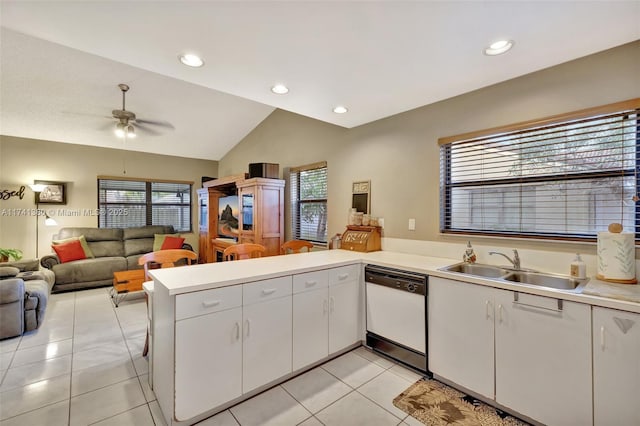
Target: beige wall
<point x="23" y="160"/>
<point x="400" y="154"/>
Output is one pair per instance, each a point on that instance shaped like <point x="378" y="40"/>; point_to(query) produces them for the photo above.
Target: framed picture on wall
<point x="53" y="192"/>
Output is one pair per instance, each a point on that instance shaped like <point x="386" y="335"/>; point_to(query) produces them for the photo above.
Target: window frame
<point x="148" y="197"/>
<point x="585" y="115"/>
<point x="296" y="203"/>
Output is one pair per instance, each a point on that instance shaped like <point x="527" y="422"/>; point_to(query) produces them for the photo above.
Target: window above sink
<point x="564" y="177"/>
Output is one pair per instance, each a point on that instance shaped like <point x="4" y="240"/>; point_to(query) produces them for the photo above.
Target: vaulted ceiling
<point x="62" y="61"/>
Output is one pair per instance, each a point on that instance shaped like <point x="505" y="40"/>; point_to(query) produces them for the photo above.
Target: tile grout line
<point x="73" y="333"/>
<point x="120" y="412"/>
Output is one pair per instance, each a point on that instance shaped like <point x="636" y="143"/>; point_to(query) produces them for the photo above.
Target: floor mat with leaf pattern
<point x="436" y="404"/>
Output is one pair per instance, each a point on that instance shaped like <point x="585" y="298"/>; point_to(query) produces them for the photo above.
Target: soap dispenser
<point x="469" y="256"/>
<point x="578" y="268"/>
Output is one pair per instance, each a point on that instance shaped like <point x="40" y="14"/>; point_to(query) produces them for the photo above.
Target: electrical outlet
<point x="412" y="224"/>
<point x="381" y="222"/>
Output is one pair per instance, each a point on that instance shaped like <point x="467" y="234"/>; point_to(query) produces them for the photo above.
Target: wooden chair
<point x="243" y="251"/>
<point x="165" y="259"/>
<point x="296" y="246"/>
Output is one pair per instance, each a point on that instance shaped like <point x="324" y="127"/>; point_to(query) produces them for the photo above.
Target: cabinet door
<point x="543" y="367"/>
<point x="616" y="367"/>
<point x="267" y="342"/>
<point x="461" y="335"/>
<point x="208" y="369"/>
<point x="344" y="315"/>
<point x="310" y="327"/>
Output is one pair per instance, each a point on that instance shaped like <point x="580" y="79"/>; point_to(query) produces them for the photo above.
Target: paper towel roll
<point x="617" y="257"/>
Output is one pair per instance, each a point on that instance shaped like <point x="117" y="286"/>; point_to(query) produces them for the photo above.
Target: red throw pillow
<point x="172" y="243"/>
<point x="69" y="251"/>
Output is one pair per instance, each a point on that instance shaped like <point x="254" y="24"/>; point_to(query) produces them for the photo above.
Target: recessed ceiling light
<point x="280" y="89"/>
<point x="340" y="109"/>
<point x="499" y="47"/>
<point x="191" y="60"/>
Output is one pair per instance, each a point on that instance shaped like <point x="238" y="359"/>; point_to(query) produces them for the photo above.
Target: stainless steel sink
<point x="477" y="269"/>
<point x="542" y="279"/>
<point x="560" y="282"/>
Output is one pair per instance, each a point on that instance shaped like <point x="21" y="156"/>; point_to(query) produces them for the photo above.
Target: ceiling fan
<point x="127" y="120"/>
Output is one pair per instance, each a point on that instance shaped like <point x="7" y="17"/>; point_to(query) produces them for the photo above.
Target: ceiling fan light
<point x="120" y="130"/>
<point x="131" y="132"/>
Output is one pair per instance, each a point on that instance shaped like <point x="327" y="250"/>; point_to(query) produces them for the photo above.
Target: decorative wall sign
<point x="5" y="194"/>
<point x="53" y="192"/>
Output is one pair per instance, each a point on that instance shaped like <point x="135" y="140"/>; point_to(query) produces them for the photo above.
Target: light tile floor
<point x="84" y="366"/>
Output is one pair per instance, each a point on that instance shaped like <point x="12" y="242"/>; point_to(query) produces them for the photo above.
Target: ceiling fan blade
<point x="165" y="124"/>
<point x="146" y="129"/>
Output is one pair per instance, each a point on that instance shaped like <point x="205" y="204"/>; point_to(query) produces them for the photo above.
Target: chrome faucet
<point x="515" y="261"/>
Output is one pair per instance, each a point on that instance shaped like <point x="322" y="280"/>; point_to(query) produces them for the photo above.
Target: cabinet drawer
<point x="207" y="301"/>
<point x="260" y="291"/>
<point x="310" y="281"/>
<point x="344" y="274"/>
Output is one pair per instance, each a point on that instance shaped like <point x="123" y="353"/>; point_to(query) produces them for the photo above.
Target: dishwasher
<point x="396" y="305"/>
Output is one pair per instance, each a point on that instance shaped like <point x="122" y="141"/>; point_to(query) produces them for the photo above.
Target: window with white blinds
<point x="128" y="203"/>
<point x="565" y="177"/>
<point x="308" y="186"/>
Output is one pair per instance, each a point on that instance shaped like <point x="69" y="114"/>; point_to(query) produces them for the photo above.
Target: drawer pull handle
<point x="237" y="330"/>
<point x="602" y="337"/>
<point x="211" y="303"/>
<point x="268" y="291"/>
<point x="332" y="304"/>
<point x="248" y="327"/>
<point x="499" y="312"/>
<point x="528" y="305"/>
<point x="486" y="309"/>
<point x="343" y="277"/>
<point x="310" y="283"/>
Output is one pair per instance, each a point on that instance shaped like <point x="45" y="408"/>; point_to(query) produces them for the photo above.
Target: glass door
<point x="247" y="212"/>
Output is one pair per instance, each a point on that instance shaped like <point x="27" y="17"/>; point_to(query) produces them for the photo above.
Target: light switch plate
<point x="381" y="222"/>
<point x="412" y="224"/>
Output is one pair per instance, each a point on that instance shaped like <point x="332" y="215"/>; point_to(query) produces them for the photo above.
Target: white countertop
<point x="213" y="275"/>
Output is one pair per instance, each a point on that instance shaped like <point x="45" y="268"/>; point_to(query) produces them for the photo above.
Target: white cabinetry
<point x="310" y="318"/>
<point x="197" y="340"/>
<point x="230" y="342"/>
<point x="541" y="367"/>
<point x="326" y="313"/>
<point x="461" y="339"/>
<point x="616" y="367"/>
<point x="344" y="307"/>
<point x="266" y="315"/>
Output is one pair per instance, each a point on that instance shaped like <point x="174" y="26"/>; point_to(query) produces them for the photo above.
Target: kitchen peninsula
<point x="227" y="331"/>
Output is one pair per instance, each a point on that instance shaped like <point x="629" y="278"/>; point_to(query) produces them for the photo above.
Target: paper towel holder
<point x="614" y="228"/>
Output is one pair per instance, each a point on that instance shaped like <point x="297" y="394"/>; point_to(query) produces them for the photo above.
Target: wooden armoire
<point x="260" y="215"/>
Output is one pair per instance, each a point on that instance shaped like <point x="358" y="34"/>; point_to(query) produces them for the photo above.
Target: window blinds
<point x="568" y="177"/>
<point x="308" y="187"/>
<point x="128" y="203"/>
